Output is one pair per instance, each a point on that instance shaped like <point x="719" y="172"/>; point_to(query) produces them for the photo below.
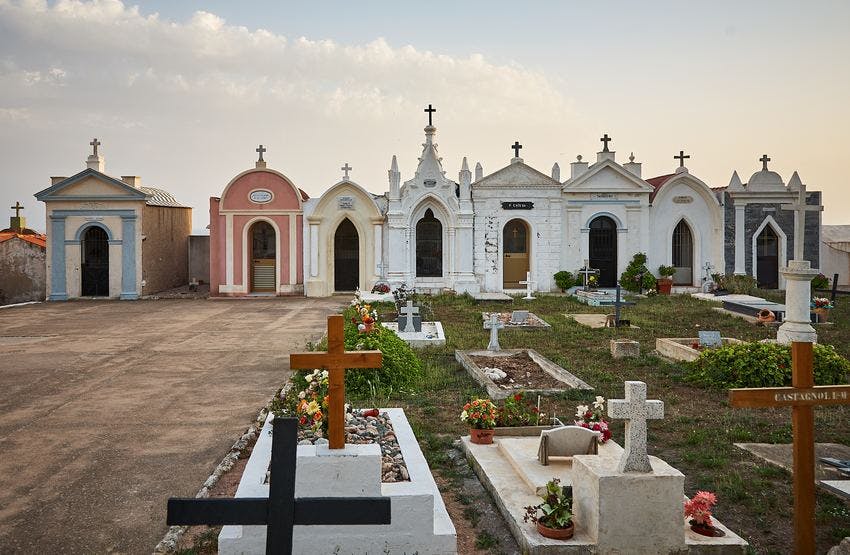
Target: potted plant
<point x="556" y="522"/>
<point x="698" y="508"/>
<point x="821" y="306"/>
<point x="591" y="417"/>
<point x="665" y="282"/>
<point x="480" y="414"/>
<point x="564" y="280"/>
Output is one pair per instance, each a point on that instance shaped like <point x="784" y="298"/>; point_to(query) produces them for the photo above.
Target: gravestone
<point x="409" y="320"/>
<point x="567" y="441"/>
<point x="529" y="286"/>
<point x="636" y="410"/>
<point x="519" y="317"/>
<point x="495" y="326"/>
<point x="710" y="339"/>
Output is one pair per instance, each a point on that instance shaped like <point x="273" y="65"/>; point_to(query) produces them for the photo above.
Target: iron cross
<point x="430" y="111"/>
<point x="516" y="146"/>
<point x="261" y="149"/>
<point x="17" y="208"/>
<point x="346" y="168"/>
<point x="681" y="158"/>
<point x="605" y="139"/>
<point x="95" y="143"/>
<point x="764" y="160"/>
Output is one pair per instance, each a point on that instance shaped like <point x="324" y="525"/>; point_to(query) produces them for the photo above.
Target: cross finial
<point x="605" y="139"/>
<point x="95" y="143"/>
<point x="681" y="158"/>
<point x="17" y="208"/>
<point x="430" y="111"/>
<point x="261" y="149"/>
<point x="516" y="146"/>
<point x="764" y="160"/>
<point x="346" y="168"/>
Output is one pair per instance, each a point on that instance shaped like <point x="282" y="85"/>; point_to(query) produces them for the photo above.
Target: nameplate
<point x="603" y="196"/>
<point x="710" y="339"/>
<point x="260" y="196"/>
<point x="517" y="205"/>
<point x="345" y="203"/>
<point x="683" y="200"/>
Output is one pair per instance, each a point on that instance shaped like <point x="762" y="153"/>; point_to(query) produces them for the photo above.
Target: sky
<point x="181" y="92"/>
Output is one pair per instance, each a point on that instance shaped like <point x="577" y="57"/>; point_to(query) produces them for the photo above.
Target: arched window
<point x="429" y="246"/>
<point x="683" y="254"/>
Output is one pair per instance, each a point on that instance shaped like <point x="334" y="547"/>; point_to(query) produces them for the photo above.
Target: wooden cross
<point x="346" y="168"/>
<point x="636" y="410"/>
<point x="261" y="149"/>
<point x="605" y="139"/>
<point x="336" y="361"/>
<point x="681" y="158"/>
<point x="95" y="143"/>
<point x="529" y="286"/>
<point x="516" y="146"/>
<point x="280" y="511"/>
<point x="408" y="312"/>
<point x="17" y="208"/>
<point x="430" y="111"/>
<point x="764" y="160"/>
<point x="802" y="397"/>
<point x="800" y="208"/>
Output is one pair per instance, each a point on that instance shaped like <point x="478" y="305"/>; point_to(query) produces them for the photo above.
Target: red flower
<point x="518" y="397"/>
<point x="302" y="420"/>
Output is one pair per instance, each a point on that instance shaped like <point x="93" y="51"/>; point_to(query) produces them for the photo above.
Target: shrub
<point x="564" y="280"/>
<point x="737" y="284"/>
<point x="763" y="365"/>
<point x="666" y="271"/>
<point x="820" y="282"/>
<point x="630" y="280"/>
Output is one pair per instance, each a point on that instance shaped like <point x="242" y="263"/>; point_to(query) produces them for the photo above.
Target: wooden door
<point x="683" y="254"/>
<point x="515" y="260"/>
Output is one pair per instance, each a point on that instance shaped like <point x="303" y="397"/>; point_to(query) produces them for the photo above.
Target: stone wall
<point x="199" y="258"/>
<point x="165" y="248"/>
<point x="23" y="275"/>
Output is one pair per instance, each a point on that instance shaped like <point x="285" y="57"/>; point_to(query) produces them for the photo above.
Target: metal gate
<point x="94" y="265"/>
<point x="346" y="257"/>
<point x="767" y="259"/>
<point x="603" y="250"/>
<point x="429" y="246"/>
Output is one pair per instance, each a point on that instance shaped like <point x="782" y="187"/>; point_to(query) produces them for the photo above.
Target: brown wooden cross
<point x="336" y="361"/>
<point x="802" y="397"/>
<point x="17" y="208"/>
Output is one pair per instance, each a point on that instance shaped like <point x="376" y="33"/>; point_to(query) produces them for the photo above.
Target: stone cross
<point x="430" y="111"/>
<point x="516" y="146"/>
<point x="346" y="168"/>
<point x="800" y="208"/>
<point x="95" y="143"/>
<point x="408" y="312"/>
<point x="636" y="410"/>
<point x="529" y="286"/>
<point x="281" y="510"/>
<point x="495" y="326"/>
<point x="336" y="361"/>
<point x="605" y="139"/>
<point x="261" y="149"/>
<point x="764" y="160"/>
<point x="681" y="158"/>
<point x="17" y="208"/>
<point x="802" y="397"/>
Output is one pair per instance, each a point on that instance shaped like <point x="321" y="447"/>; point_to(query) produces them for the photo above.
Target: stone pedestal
<point x="629" y="512"/>
<point x="621" y="348"/>
<point x="798" y="295"/>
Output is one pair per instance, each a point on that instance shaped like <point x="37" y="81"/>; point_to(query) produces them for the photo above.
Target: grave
<point x="625" y="348"/>
<point x="595" y="297"/>
<point x="517" y="320"/>
<point x="595" y="321"/>
<point x="641" y="511"/>
<point x="409" y="320"/>
<point x="492" y="296"/>
<point x="373" y="298"/>
<point x="689" y="348"/>
<point x="431" y="333"/>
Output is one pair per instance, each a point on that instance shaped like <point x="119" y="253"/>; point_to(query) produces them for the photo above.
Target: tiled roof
<point x="657" y="183"/>
<point x="304" y="196"/>
<point x="37" y="239"/>
<point x="159" y="197"/>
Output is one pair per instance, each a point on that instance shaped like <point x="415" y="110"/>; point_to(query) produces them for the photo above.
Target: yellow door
<point x="515" y="261"/>
<point x="263" y="276"/>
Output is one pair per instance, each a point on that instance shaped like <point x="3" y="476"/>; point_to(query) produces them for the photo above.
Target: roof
<point x="304" y="196"/>
<point x="160" y="197"/>
<point x="835" y="233"/>
<point x="657" y="183"/>
<point x="37" y="239"/>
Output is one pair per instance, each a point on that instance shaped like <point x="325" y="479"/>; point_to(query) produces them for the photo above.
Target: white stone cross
<point x="529" y="286"/>
<point x="587" y="272"/>
<point x="495" y="326"/>
<point x="800" y="208"/>
<point x="346" y="168"/>
<point x="408" y="312"/>
<point x="636" y="410"/>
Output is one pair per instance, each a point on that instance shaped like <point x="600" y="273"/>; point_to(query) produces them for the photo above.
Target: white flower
<point x="464" y="416"/>
<point x="302" y="395"/>
<point x="580" y="410"/>
<point x="599" y="402"/>
<point x="324" y="374"/>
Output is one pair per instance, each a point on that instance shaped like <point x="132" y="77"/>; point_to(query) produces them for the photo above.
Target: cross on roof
<point x="280" y="511"/>
<point x="17" y="208"/>
<point x="636" y="410"/>
<point x="800" y="208"/>
<point x="681" y="158"/>
<point x="605" y="139"/>
<point x="430" y="111"/>
<point x="516" y="146"/>
<point x="346" y="168"/>
<point x="261" y="149"/>
<point x="95" y="143"/>
<point x="802" y="397"/>
<point x="764" y="160"/>
<point x="495" y="326"/>
<point x="336" y="361"/>
<point x="408" y="311"/>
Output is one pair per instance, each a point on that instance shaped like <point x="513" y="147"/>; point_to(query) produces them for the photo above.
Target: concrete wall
<point x="199" y="258"/>
<point x="23" y="274"/>
<point x="165" y="249"/>
<point x="835" y="259"/>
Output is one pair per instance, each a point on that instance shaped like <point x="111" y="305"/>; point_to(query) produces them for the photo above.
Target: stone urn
<point x="481" y="437"/>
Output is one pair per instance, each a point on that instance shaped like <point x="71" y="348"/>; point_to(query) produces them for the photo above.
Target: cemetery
<point x="517" y="319"/>
<point x="689" y="348"/>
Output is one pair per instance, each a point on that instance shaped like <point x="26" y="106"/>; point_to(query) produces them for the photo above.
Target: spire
<point x="394" y="165"/>
<point x="479" y="171"/>
<point x="95" y="161"/>
<point x="465" y="180"/>
<point x="632" y="166"/>
<point x="464" y="166"/>
<point x="795" y="183"/>
<point x="556" y="172"/>
<point x="395" y="179"/>
<point x="735" y="182"/>
<point x="430" y="164"/>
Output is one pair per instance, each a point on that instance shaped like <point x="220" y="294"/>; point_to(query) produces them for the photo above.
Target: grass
<point x="699" y="428"/>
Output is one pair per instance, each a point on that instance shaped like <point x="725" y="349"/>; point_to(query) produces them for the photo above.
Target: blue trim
<point x="58" y="285"/>
<point x="78" y="235"/>
<point x="105" y="212"/>
<point x="47" y="194"/>
<point x="128" y="258"/>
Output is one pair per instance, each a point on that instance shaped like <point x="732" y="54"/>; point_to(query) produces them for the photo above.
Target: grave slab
<point x="377" y="297"/>
<point x="841" y="488"/>
<point x="595" y="321"/>
<point x="431" y="334"/>
<point x="491" y="296"/>
<point x="625" y="348"/>
<point x="532" y="321"/>
<point x="780" y="454"/>
<point x="680" y="348"/>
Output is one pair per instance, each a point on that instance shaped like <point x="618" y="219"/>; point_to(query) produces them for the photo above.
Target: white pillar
<point x="379" y="249"/>
<point x="314" y="250"/>
<point x="293" y="250"/>
<point x="798" y="293"/>
<point x="740" y="247"/>
<point x="228" y="249"/>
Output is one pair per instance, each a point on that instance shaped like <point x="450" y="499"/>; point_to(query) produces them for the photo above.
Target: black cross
<point x="516" y="146"/>
<point x="764" y="160"/>
<point x="261" y="149"/>
<point x="605" y="139"/>
<point x="430" y="111"/>
<point x="681" y="158"/>
<point x="95" y="143"/>
<point x="281" y="510"/>
<point x="617" y="305"/>
<point x="17" y="208"/>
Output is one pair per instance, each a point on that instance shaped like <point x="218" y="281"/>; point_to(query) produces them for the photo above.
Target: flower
<point x="599" y="402"/>
<point x="821" y="302"/>
<point x="593" y="418"/>
<point x="581" y="410"/>
<point x="480" y="414"/>
<point x="699" y="507"/>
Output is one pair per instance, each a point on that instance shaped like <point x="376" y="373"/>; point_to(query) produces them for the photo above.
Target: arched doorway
<point x="346" y="257"/>
<point x="263" y="264"/>
<point x="94" y="264"/>
<point x="429" y="246"/>
<point x="683" y="254"/>
<point x="603" y="250"/>
<point x="767" y="258"/>
<point x="515" y="260"/>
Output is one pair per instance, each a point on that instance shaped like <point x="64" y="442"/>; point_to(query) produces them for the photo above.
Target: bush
<point x="763" y="365"/>
<point x="630" y="279"/>
<point x="564" y="280"/>
<point x="736" y="284"/>
<point x="666" y="271"/>
<point x="820" y="282"/>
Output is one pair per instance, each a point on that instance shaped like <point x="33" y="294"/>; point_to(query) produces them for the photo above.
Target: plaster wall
<point x="22" y="272"/>
<point x="165" y="249"/>
<point x="199" y="258"/>
<point x="835" y="259"/>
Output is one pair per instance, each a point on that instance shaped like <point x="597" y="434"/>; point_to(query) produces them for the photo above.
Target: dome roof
<point x="765" y="180"/>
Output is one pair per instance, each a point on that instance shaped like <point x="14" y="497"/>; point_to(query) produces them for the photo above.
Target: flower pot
<point x="664" y="286"/>
<point x="482" y="437"/>
<point x="823" y="314"/>
<point x="556" y="533"/>
<point x="706" y="530"/>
